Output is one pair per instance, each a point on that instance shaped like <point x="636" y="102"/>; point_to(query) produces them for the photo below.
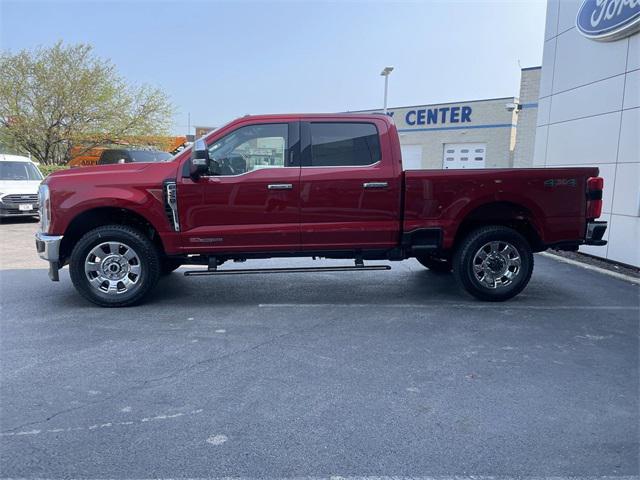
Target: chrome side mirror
<point x="199" y="159"/>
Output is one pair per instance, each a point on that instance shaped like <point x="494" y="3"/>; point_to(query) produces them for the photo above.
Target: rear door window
<point x="342" y="144"/>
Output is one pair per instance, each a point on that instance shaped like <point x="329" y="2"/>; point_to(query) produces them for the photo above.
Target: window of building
<point x="343" y="144"/>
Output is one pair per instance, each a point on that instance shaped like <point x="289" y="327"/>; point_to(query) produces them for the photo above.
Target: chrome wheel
<point x="113" y="268"/>
<point x="496" y="264"/>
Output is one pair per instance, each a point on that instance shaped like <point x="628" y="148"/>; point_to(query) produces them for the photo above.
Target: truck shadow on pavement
<point x="553" y="285"/>
<point x="349" y="288"/>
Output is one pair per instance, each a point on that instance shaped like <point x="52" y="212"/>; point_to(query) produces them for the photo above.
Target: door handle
<point x="375" y="185"/>
<point x="280" y="186"/>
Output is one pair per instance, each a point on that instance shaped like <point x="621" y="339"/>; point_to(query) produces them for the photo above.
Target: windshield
<point x="149" y="156"/>
<point x="19" y="171"/>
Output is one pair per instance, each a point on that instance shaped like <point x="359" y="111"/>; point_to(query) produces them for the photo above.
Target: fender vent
<point x="171" y="203"/>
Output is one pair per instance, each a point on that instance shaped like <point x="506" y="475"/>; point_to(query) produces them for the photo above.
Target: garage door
<point x="464" y="155"/>
<point x="411" y="157"/>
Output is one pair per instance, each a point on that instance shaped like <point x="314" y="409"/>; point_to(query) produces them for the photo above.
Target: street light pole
<point x="385" y="73"/>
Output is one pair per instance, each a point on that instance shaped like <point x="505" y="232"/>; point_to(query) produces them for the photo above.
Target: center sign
<point x="436" y="116"/>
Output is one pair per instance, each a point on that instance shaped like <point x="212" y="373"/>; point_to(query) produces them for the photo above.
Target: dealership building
<point x="589" y="108"/>
<point x="470" y="134"/>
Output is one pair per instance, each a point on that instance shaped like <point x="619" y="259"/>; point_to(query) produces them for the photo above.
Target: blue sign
<point x="438" y="116"/>
<point x="608" y="19"/>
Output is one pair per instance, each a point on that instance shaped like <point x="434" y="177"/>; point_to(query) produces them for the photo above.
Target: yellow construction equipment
<point x="81" y="156"/>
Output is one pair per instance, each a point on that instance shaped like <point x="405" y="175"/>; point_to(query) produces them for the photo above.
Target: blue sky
<point x="220" y="60"/>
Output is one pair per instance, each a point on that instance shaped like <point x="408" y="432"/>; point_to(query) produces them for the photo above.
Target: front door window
<point x="250" y="148"/>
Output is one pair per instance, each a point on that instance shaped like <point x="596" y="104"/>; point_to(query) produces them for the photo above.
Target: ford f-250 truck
<point x="308" y="185"/>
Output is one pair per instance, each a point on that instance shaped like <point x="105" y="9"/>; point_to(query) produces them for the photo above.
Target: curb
<point x="619" y="276"/>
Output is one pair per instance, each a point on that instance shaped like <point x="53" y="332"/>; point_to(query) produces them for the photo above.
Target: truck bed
<point x="552" y="199"/>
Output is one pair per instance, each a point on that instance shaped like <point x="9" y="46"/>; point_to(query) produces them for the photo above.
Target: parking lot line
<point x="97" y="426"/>
<point x="500" y="306"/>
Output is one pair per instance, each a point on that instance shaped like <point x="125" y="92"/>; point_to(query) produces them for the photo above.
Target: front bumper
<point x="595" y="232"/>
<point x="48" y="247"/>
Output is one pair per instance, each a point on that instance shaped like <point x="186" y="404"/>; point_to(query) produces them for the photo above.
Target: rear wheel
<point x="435" y="264"/>
<point x="493" y="263"/>
<point x="114" y="266"/>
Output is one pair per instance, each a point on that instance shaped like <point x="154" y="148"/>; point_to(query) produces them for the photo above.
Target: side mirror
<point x="199" y="159"/>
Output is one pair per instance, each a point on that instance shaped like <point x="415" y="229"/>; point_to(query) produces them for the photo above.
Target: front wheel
<point x="493" y="263"/>
<point x="114" y="266"/>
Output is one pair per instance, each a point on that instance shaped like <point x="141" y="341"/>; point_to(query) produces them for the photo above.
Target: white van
<point x="19" y="181"/>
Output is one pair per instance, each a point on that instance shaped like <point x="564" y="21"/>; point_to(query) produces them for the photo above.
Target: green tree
<point x="52" y="99"/>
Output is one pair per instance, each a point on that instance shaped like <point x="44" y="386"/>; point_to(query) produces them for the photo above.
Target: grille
<point x="20" y="198"/>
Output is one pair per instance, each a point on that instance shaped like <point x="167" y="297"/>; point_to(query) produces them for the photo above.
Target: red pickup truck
<point x="308" y="185"/>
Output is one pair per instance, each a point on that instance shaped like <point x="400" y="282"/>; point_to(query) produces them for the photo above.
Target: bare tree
<point x="52" y="99"/>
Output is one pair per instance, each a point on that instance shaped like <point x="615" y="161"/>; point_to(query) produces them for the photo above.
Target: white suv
<point x="19" y="181"/>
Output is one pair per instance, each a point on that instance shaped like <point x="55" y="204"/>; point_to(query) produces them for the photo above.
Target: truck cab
<point x="273" y="184"/>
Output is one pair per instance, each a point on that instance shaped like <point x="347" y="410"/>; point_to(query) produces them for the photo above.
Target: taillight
<point x="594" y="196"/>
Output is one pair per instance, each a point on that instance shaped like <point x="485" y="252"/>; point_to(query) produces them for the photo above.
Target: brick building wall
<point x="527" y="116"/>
<point x="488" y="123"/>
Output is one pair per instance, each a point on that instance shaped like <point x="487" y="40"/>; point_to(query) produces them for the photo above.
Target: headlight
<point x="45" y="208"/>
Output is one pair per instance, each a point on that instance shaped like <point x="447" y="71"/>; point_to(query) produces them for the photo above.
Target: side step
<point x="195" y="273"/>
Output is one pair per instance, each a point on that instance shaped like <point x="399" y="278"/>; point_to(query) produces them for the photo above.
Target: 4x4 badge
<point x="560" y="182"/>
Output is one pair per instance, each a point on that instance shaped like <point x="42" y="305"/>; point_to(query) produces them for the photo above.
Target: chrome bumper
<point x="595" y="232"/>
<point x="48" y="247"/>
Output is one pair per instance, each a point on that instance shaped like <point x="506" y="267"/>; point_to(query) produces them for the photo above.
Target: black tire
<point x="146" y="257"/>
<point x="169" y="265"/>
<point x="465" y="255"/>
<point x="435" y="264"/>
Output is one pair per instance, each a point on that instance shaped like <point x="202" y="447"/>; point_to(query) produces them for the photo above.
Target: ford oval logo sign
<point x="608" y="20"/>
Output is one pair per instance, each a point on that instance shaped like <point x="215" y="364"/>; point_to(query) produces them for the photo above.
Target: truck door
<point x="248" y="201"/>
<point x="349" y="188"/>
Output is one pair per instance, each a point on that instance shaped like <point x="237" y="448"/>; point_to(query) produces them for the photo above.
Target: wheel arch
<point x="99" y="216"/>
<point x="504" y="213"/>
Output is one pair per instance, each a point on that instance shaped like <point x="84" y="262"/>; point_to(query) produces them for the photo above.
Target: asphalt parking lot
<point x="347" y="374"/>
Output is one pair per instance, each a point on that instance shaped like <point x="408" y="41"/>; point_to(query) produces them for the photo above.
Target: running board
<point x="195" y="273"/>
